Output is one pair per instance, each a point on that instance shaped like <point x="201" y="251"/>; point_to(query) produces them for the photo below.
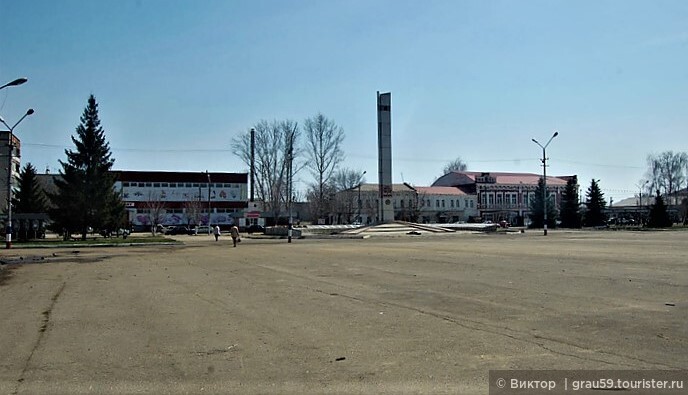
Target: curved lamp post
<point x="16" y="82"/>
<point x="8" y="233"/>
<point x="544" y="177"/>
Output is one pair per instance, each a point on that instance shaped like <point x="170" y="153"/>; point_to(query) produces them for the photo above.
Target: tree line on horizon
<point x="85" y="197"/>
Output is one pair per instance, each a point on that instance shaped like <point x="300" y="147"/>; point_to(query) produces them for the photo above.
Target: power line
<point x="404" y="159"/>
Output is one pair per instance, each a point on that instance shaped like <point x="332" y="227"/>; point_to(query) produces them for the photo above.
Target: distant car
<point x="179" y="230"/>
<point x="162" y="229"/>
<point x="504" y="224"/>
<point x="255" y="229"/>
<point x="203" y="230"/>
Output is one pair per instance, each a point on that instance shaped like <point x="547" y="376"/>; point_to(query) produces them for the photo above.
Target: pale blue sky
<point x="176" y="80"/>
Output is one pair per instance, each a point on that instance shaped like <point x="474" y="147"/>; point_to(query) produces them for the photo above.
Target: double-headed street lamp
<point x="10" y="144"/>
<point x="16" y="82"/>
<point x="544" y="177"/>
<point x="8" y="234"/>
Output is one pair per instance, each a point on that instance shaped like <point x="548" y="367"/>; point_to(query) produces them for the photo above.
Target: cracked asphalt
<point x="428" y="314"/>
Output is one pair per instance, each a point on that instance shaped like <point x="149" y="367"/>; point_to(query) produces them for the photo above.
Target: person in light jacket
<point x="234" y="232"/>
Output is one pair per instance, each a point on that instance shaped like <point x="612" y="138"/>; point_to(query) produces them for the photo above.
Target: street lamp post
<point x="640" y="200"/>
<point x="16" y="82"/>
<point x="208" y="174"/>
<point x="360" y="180"/>
<point x="544" y="178"/>
<point x="10" y="138"/>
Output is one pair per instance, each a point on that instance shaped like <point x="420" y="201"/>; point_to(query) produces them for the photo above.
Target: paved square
<point x="431" y="314"/>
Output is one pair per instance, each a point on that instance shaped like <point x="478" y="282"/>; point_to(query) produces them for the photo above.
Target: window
<point x="156" y="185"/>
<point x="429" y="204"/>
<point x="189" y="185"/>
<point x="499" y="199"/>
<point x="125" y="184"/>
<point x="164" y="185"/>
<point x="196" y="185"/>
<point x="525" y="199"/>
<point x="471" y="204"/>
<point x="490" y="199"/>
<point x="402" y="203"/>
<point x="442" y="203"/>
<point x="148" y="184"/>
<point x="452" y="203"/>
<point x="466" y="203"/>
<point x="514" y="199"/>
<point x="437" y="203"/>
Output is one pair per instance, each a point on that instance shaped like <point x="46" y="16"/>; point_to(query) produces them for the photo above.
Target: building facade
<point x="503" y="196"/>
<point x="182" y="198"/>
<point x="440" y="204"/>
<point x="14" y="165"/>
<point x="409" y="203"/>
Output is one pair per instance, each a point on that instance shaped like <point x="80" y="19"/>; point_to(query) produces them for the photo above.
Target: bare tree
<point x="193" y="208"/>
<point x="324" y="149"/>
<point x="340" y="195"/>
<point x="272" y="157"/>
<point x="319" y="207"/>
<point x="156" y="209"/>
<point x="667" y="172"/>
<point x="456" y="165"/>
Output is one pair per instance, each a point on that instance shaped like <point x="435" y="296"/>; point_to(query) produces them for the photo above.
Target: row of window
<point x="178" y="185"/>
<point x="439" y="203"/>
<point x="509" y="198"/>
<point x="181" y="210"/>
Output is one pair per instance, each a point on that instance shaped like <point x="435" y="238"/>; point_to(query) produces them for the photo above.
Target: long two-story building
<point x="182" y="198"/>
<point x="503" y="196"/>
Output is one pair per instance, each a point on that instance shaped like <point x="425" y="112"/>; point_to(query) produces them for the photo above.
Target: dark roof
<point x="176" y="176"/>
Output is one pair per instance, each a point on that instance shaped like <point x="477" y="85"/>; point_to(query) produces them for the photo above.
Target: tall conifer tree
<point x="85" y="194"/>
<point x="29" y="196"/>
<point x="570" y="209"/>
<point x="659" y="217"/>
<point x="537" y="213"/>
<point x="595" y="204"/>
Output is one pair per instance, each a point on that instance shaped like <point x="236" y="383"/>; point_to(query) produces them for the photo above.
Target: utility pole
<point x="208" y="174"/>
<point x="253" y="160"/>
<point x="290" y="176"/>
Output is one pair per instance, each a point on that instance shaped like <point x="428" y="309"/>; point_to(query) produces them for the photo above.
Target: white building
<point x="182" y="198"/>
<point x="446" y="204"/>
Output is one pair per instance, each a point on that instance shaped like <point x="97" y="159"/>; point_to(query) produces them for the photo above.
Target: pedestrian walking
<point x="234" y="232"/>
<point x="216" y="231"/>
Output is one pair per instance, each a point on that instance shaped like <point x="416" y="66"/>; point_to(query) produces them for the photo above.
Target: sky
<point x="177" y="80"/>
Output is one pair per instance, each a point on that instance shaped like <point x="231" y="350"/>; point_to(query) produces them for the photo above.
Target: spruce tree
<point x="537" y="216"/>
<point x="659" y="217"/>
<point x="29" y="196"/>
<point x="595" y="205"/>
<point x="570" y="209"/>
<point x="85" y="194"/>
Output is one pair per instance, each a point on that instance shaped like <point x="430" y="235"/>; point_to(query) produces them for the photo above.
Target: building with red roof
<point x="500" y="195"/>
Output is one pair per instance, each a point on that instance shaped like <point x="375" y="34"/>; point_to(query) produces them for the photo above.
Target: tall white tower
<point x="384" y="146"/>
